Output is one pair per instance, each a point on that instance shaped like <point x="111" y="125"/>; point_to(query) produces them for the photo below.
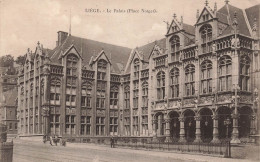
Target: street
<point x="36" y="151"/>
<point x="27" y="151"/>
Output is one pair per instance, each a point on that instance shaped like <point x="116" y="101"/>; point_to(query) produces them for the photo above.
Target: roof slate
<point x="230" y="10"/>
<point x="88" y="48"/>
<point x="252" y="13"/>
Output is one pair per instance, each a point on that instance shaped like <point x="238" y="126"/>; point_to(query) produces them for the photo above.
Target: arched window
<point x="244" y="73"/>
<point x="225" y="82"/>
<point x="175" y="45"/>
<point x="189" y="80"/>
<point x="161" y="85"/>
<point x="206" y="37"/>
<point x="206" y="77"/>
<point x="174" y="82"/>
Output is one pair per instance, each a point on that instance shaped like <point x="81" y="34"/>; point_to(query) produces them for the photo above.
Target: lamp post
<point x="227" y="122"/>
<point x="235" y="139"/>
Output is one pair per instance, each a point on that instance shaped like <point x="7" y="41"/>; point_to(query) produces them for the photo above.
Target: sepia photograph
<point x="129" y="81"/>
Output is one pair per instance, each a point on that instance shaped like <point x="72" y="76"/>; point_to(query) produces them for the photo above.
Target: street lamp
<point x="227" y="122"/>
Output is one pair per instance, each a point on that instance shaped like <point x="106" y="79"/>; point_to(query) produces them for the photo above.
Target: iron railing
<point x="222" y="149"/>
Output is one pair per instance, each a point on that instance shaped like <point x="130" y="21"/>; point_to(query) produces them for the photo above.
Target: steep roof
<point x="254" y="13"/>
<point x="88" y="48"/>
<point x="189" y="29"/>
<point x="146" y="50"/>
<point x="9" y="97"/>
<point x="229" y="11"/>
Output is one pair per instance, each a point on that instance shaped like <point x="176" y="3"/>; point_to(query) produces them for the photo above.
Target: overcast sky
<point x="25" y="22"/>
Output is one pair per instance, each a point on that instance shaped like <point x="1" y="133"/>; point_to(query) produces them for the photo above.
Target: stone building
<point x="8" y="110"/>
<point x="181" y="87"/>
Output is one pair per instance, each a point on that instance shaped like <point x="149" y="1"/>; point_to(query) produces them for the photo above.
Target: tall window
<point x="85" y="128"/>
<point x="72" y="61"/>
<point x="114" y="97"/>
<point x="160" y="85"/>
<point x="136" y="68"/>
<point x="144" y="108"/>
<point x="206" y="37"/>
<point x="113" y="123"/>
<point x="100" y="126"/>
<point x="127" y="110"/>
<point x="206" y="77"/>
<point x="189" y="80"/>
<point x="102" y="67"/>
<point x="174" y="82"/>
<point x="55" y="91"/>
<point x="225" y="64"/>
<point x="86" y="95"/>
<point x="244" y="73"/>
<point x="175" y="45"/>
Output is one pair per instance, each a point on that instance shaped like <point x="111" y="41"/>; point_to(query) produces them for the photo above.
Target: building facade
<point x="181" y="87"/>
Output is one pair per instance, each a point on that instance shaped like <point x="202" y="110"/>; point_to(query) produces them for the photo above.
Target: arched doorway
<point x="244" y="122"/>
<point x="189" y="125"/>
<point x="174" y="125"/>
<point x="224" y="113"/>
<point x="206" y="124"/>
<point x="160" y="124"/>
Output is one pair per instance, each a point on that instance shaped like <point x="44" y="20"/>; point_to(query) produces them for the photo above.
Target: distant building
<point x="181" y="87"/>
<point x="8" y="110"/>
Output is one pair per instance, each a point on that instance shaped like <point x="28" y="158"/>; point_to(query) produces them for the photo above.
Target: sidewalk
<point x="181" y="156"/>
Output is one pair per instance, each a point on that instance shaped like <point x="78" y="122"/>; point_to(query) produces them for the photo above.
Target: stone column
<point x="198" y="132"/>
<point x="182" y="129"/>
<point x="215" y="129"/>
<point x="235" y="139"/>
<point x="252" y="124"/>
<point x="167" y="130"/>
<point x="154" y="129"/>
<point x="252" y="128"/>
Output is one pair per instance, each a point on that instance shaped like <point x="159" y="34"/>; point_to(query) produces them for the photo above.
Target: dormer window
<point x="175" y="47"/>
<point x="206" y="37"/>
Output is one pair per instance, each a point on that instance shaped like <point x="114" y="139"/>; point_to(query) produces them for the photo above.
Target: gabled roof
<point x="229" y="11"/>
<point x="254" y="13"/>
<point x="190" y="29"/>
<point x="148" y="48"/>
<point x="88" y="48"/>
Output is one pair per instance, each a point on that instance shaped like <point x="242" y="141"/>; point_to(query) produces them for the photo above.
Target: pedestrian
<point x="51" y="140"/>
<point x="112" y="142"/>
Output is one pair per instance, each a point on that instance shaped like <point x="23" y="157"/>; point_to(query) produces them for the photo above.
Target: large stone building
<point x="181" y="87"/>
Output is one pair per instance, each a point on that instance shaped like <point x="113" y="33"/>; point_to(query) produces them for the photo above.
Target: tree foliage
<point x="20" y="60"/>
<point x="7" y="61"/>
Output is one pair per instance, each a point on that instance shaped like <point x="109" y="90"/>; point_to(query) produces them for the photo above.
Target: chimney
<point x="61" y="37"/>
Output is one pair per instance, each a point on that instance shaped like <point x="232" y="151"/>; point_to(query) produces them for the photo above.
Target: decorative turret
<point x="215" y="7"/>
<point x="198" y="14"/>
<point x="254" y="29"/>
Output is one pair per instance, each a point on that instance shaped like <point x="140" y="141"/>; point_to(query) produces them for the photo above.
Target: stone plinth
<point x="6" y="148"/>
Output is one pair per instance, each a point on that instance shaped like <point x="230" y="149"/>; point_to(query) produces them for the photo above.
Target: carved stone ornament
<point x="101" y="112"/>
<point x="214" y="117"/>
<point x="206" y="100"/>
<point x="224" y="98"/>
<point x="197" y="118"/>
<point x="246" y="99"/>
<point x="181" y="119"/>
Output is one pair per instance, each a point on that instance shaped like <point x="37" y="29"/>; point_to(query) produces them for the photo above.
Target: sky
<point x="25" y="22"/>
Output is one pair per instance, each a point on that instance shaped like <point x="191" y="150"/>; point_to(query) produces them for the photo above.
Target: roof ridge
<point x="100" y="42"/>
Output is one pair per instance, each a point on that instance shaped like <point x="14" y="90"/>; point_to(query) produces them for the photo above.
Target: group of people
<point x="54" y="140"/>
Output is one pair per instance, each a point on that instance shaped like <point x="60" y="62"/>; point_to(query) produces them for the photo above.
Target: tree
<point x="20" y="60"/>
<point x="7" y="61"/>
